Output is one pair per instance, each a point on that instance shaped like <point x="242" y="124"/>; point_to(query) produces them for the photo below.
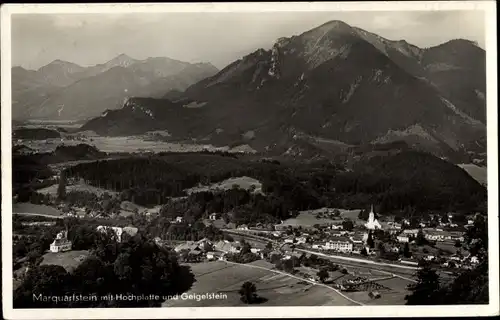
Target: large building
<point x="118" y="231"/>
<point x="61" y="243"/>
<point x="372" y="223"/>
<point x="341" y="244"/>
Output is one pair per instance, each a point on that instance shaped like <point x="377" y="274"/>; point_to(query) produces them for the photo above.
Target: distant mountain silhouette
<point x="64" y="90"/>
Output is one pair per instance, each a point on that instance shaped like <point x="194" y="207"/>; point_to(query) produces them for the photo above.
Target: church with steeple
<point x="372" y="223"/>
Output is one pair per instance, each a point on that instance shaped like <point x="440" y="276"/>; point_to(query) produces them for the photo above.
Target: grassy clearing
<point x="68" y="260"/>
<point x="309" y="218"/>
<point x="52" y="190"/>
<point x="245" y="183"/>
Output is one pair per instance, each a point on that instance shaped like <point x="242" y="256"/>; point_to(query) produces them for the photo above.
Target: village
<point x="372" y="240"/>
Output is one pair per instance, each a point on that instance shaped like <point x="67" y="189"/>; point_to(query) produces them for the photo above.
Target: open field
<point x="480" y="174"/>
<point x="127" y="144"/>
<point x="52" y="190"/>
<point x="245" y="183"/>
<point x="309" y="218"/>
<point x="68" y="260"/>
<point x="36" y="209"/>
<point x="278" y="289"/>
<point x="394" y="296"/>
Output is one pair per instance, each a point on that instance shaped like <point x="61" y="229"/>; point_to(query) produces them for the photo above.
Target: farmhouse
<point x="243" y="227"/>
<point x="226" y="246"/>
<point x="337" y="233"/>
<point x="61" y="243"/>
<point x="178" y="219"/>
<point x="214" y="216"/>
<point x="189" y="245"/>
<point x="214" y="255"/>
<point x="393" y="230"/>
<point x="410" y="232"/>
<point x="336" y="227"/>
<point x="357" y="239"/>
<point x="301" y="240"/>
<point x="403" y="237"/>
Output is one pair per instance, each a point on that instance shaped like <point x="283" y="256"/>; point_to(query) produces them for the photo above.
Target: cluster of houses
<point x="431" y="234"/>
<point x="206" y="249"/>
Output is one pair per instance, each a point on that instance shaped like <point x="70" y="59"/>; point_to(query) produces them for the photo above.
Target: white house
<point x="301" y="240"/>
<point x="242" y="227"/>
<point x="178" y="219"/>
<point x="61" y="243"/>
<point x="410" y="232"/>
<point x="317" y="246"/>
<point x="213" y="255"/>
<point x="403" y="238"/>
<point x="289" y="240"/>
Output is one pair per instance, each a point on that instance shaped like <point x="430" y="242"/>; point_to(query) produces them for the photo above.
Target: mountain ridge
<point x="332" y="82"/>
<point x="47" y="92"/>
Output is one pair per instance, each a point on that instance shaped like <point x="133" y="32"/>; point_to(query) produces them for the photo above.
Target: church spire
<point x="371" y="210"/>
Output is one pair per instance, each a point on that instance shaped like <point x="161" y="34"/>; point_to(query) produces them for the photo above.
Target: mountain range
<point x="66" y="91"/>
<point x="330" y="88"/>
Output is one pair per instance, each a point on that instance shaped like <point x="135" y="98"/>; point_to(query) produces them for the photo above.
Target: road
<point x="351" y="259"/>
<point x="356" y="262"/>
<point x="301" y="279"/>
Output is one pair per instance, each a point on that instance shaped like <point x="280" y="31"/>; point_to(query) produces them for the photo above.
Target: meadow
<point x="277" y="289"/>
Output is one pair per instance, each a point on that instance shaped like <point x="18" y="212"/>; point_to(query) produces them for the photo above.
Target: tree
<point x="364" y="252"/>
<point x="420" y="240"/>
<point x="245" y="248"/>
<point x="322" y="274"/>
<point x="344" y="271"/>
<point x="425" y="291"/>
<point x="61" y="190"/>
<point x="269" y="245"/>
<point x="46" y="280"/>
<point x="445" y="218"/>
<point x="248" y="292"/>
<point x="458" y="244"/>
<point x="381" y="249"/>
<point x="370" y="241"/>
<point x="406" y="251"/>
<point x="347" y="225"/>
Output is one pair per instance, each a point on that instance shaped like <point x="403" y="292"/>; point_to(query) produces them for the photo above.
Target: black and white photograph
<point x="181" y="160"/>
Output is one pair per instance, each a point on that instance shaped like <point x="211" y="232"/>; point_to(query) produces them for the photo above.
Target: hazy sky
<point x="220" y="38"/>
